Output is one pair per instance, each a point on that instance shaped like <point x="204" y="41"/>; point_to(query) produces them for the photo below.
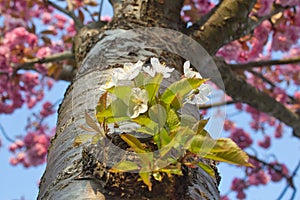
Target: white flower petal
<point x="149" y="70"/>
<point x="188" y="72"/>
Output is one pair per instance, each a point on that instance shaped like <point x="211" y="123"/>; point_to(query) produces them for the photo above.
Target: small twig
<point x="271" y="84"/>
<point x="78" y="23"/>
<point x="5" y="134"/>
<point x="262" y="78"/>
<point x="89" y="12"/>
<point x="265" y="63"/>
<point x="217" y="104"/>
<point x="100" y="10"/>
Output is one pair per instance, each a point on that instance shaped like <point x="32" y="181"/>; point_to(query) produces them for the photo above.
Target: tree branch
<point x="5" y="134"/>
<point x="70" y="13"/>
<point x="67" y="71"/>
<point x="224" y="25"/>
<point x="228" y="22"/>
<point x="240" y="90"/>
<point x="217" y="104"/>
<point x="265" y="63"/>
<point x="29" y="65"/>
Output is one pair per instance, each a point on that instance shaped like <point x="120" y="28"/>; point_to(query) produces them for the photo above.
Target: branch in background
<point x="294" y="188"/>
<point x="67" y="71"/>
<point x="293" y="100"/>
<point x="265" y="63"/>
<point x="29" y="65"/>
<point x="217" y="104"/>
<point x="240" y="90"/>
<point x="78" y="23"/>
<point x="5" y="134"/>
<point x="289" y="179"/>
<point x="100" y="10"/>
<point x="224" y="23"/>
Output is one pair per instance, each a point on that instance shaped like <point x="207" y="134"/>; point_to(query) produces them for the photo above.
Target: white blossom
<point x="188" y="72"/>
<point x="199" y="96"/>
<point x="149" y="70"/>
<point x="130" y="70"/>
<point x="113" y="81"/>
<point x="138" y="102"/>
<point x="157" y="67"/>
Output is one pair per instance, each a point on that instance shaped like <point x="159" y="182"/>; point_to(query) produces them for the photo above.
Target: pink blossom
<point x="43" y="52"/>
<point x="278" y="131"/>
<point x="276" y="176"/>
<point x="242" y="138"/>
<point x="106" y="18"/>
<point x="30" y="80"/>
<point x="266" y="143"/>
<point x="230" y="51"/>
<point x="258" y="178"/>
<point x="288" y="2"/>
<point x="228" y="125"/>
<point x="265" y="7"/>
<point x="46" y="17"/>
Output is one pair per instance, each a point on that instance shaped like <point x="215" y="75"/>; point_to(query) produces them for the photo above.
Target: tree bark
<point x="70" y="171"/>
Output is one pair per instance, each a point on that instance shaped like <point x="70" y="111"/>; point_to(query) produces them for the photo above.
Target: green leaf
<point x="115" y="112"/>
<point x="188" y="120"/>
<point x="164" y="137"/>
<point x="82" y="138"/>
<point x="124" y="166"/>
<point x="146" y="178"/>
<point x="199" y="126"/>
<point x="121" y="92"/>
<point x="172" y="120"/>
<point x="148" y="126"/>
<point x="133" y="142"/>
<point x="172" y="169"/>
<point x="152" y="87"/>
<point x="101" y="106"/>
<point x="96" y="138"/>
<point x="180" y="142"/>
<point x="157" y="176"/>
<point x="158" y="114"/>
<point x="222" y="149"/>
<point x="180" y="88"/>
<point x="207" y="169"/>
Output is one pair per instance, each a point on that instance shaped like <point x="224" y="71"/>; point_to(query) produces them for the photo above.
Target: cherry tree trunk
<point x="71" y="170"/>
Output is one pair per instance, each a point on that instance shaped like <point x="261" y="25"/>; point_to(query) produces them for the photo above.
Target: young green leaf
<point x="146" y="178"/>
<point x="180" y="88"/>
<point x="222" y="149"/>
<point x="207" y="169"/>
<point x="158" y="114"/>
<point x="82" y="138"/>
<point x="152" y="87"/>
<point x="101" y="105"/>
<point x="121" y="92"/>
<point x="173" y="120"/>
<point x="124" y="166"/>
<point x="133" y="142"/>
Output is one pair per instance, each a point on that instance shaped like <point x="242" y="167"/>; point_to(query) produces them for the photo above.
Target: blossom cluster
<point x="139" y="97"/>
<point x="31" y="150"/>
<point x="260" y="175"/>
<point x="20" y="44"/>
